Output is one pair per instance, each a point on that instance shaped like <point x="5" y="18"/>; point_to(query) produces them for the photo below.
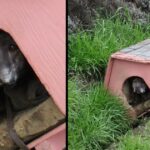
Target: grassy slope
<point x="95" y="117"/>
<point x="134" y="142"/>
<point x="89" y="51"/>
<point x="135" y="139"/>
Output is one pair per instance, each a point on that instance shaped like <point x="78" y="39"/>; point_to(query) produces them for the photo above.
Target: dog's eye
<point x="13" y="47"/>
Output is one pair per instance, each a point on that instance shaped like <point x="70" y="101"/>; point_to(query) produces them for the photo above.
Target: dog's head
<point x="11" y="60"/>
<point x="139" y="86"/>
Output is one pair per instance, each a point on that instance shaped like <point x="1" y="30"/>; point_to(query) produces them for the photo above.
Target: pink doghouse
<point x="133" y="61"/>
<point x="38" y="27"/>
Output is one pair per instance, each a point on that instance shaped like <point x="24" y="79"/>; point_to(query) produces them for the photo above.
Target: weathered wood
<point x="30" y="123"/>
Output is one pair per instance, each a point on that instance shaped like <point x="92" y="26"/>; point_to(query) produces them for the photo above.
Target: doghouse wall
<point x="119" y="70"/>
<point x="38" y="27"/>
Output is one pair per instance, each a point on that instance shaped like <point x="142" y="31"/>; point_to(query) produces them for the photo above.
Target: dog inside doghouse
<point x="27" y="109"/>
<point x="137" y="94"/>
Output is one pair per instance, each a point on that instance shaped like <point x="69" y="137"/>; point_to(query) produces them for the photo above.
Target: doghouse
<point x="38" y="27"/>
<point x="126" y="64"/>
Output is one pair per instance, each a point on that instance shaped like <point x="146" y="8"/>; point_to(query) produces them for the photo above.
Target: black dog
<point x="17" y="78"/>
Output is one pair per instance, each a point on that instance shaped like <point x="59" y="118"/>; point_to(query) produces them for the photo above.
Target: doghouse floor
<point x="31" y="123"/>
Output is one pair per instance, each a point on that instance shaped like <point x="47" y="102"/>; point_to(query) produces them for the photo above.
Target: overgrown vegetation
<point x="97" y="118"/>
<point x="134" y="142"/>
<point x="89" y="51"/>
<point x="135" y="139"/>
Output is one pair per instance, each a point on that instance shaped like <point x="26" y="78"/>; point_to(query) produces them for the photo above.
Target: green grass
<point x="96" y="118"/>
<point x="134" y="142"/>
<point x="135" y="139"/>
<point x="89" y="51"/>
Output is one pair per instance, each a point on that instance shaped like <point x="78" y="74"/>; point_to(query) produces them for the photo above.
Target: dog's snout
<point x="7" y="76"/>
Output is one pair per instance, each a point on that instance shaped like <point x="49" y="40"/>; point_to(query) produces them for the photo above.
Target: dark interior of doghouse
<point x="134" y="97"/>
<point x="30" y="76"/>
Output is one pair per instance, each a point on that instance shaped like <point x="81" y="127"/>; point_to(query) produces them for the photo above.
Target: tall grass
<point x="133" y="142"/>
<point x="135" y="139"/>
<point x="89" y="51"/>
<point x="96" y="118"/>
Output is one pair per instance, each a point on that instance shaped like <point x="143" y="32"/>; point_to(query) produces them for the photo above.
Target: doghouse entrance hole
<point x="136" y="91"/>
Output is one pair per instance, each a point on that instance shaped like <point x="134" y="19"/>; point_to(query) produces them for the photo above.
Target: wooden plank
<point x="38" y="27"/>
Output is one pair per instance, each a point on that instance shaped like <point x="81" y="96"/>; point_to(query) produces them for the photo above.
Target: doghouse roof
<point x="39" y="30"/>
<point x="137" y="53"/>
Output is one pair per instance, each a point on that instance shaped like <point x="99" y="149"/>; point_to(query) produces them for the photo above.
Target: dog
<point x="18" y="80"/>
